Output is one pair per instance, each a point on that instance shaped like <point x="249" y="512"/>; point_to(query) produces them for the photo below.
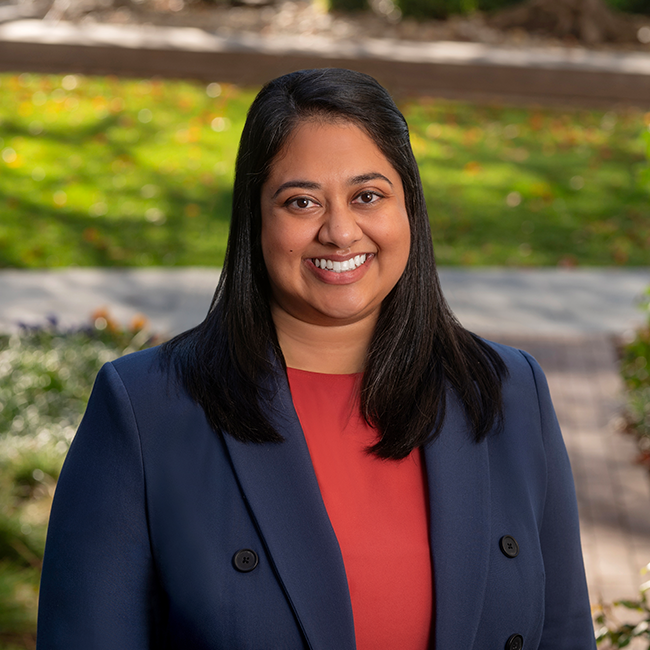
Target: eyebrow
<point x="309" y="185"/>
<point x="303" y="185"/>
<point x="364" y="178"/>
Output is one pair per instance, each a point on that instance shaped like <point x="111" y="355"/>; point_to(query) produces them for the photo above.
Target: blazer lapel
<point x="280" y="485"/>
<point x="459" y="498"/>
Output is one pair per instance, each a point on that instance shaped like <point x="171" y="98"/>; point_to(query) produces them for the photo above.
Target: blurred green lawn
<point x="102" y="171"/>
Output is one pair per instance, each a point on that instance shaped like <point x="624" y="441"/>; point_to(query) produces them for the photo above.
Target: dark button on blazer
<point x="153" y="508"/>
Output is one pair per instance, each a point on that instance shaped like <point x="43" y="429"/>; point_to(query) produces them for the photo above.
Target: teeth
<point x="340" y="267"/>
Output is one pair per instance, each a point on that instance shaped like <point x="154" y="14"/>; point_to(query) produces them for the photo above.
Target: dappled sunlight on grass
<point x="98" y="171"/>
<point x="533" y="187"/>
<point x="102" y="172"/>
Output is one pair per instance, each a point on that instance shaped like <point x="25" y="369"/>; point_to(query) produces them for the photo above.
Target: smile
<point x="340" y="267"/>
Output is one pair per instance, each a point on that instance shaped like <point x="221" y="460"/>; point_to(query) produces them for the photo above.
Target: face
<point x="335" y="231"/>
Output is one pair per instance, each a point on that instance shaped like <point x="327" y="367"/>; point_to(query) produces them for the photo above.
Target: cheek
<point x="280" y="250"/>
<point x="285" y="237"/>
<point x="402" y="240"/>
<point x="397" y="236"/>
<point x="270" y="254"/>
<point x="273" y="238"/>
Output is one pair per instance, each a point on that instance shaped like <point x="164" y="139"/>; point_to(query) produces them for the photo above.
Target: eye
<point x="367" y="197"/>
<point x="301" y="202"/>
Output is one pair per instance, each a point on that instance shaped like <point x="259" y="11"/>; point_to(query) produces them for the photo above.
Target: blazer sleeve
<point x="567" y="621"/>
<point x="98" y="586"/>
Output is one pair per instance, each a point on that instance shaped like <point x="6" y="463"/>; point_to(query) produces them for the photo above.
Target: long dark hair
<point x="419" y="350"/>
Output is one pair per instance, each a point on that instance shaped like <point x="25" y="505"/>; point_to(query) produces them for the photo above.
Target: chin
<point x="344" y="314"/>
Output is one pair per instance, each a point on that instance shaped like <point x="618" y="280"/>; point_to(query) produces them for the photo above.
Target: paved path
<point x="491" y="301"/>
<point x="569" y="318"/>
<point x="471" y="71"/>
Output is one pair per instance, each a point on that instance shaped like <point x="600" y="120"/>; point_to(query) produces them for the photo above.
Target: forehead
<point x="329" y="148"/>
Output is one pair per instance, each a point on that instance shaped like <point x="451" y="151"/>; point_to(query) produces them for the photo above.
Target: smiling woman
<point x="329" y="460"/>
<point x="335" y="240"/>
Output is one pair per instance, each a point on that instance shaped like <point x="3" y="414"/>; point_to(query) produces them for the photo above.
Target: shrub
<point x="348" y="5"/>
<point x="46" y="375"/>
<point x="638" y="410"/>
<point x="441" y="9"/>
<point x="616" y="634"/>
<point x="423" y="9"/>
<point x="635" y="360"/>
<point x="630" y="6"/>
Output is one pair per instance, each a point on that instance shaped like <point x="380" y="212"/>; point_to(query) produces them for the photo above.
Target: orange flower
<point x="138" y="323"/>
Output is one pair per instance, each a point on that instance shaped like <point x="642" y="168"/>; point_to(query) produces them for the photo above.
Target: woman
<point x="329" y="460"/>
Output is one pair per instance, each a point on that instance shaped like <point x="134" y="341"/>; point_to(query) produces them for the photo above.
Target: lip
<point x="344" y="277"/>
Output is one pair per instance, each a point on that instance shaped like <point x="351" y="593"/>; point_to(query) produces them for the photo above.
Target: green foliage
<point x="635" y="369"/>
<point x="18" y="602"/>
<point x="638" y="417"/>
<point x="635" y="360"/>
<point x="101" y="171"/>
<point x="348" y="5"/>
<point x="441" y="9"/>
<point x="616" y="634"/>
<point x="445" y="8"/>
<point x="630" y="6"/>
<point x="495" y="5"/>
<point x="423" y="9"/>
<point x="532" y="187"/>
<point x="430" y="9"/>
<point x="46" y="375"/>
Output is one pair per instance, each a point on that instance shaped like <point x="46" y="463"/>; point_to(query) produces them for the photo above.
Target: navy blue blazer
<point x="152" y="507"/>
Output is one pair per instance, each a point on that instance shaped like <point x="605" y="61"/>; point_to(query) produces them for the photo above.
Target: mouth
<point x="338" y="266"/>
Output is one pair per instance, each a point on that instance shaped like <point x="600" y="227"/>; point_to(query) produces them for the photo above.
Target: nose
<point x="340" y="227"/>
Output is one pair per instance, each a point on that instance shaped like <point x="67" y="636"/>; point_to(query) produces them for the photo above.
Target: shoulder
<point x="527" y="403"/>
<point x="523" y="369"/>
<point x="145" y="370"/>
<point x="149" y="362"/>
<point x="517" y="361"/>
<point x="145" y="379"/>
<point x="525" y="387"/>
<point x="144" y="386"/>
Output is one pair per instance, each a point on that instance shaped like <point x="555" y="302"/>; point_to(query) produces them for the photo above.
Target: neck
<point x="329" y="349"/>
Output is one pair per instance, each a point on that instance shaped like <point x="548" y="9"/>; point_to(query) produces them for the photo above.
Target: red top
<point x="378" y="509"/>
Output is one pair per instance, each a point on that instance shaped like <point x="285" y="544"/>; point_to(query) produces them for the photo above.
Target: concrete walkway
<point x="566" y="319"/>
<point x="491" y="301"/>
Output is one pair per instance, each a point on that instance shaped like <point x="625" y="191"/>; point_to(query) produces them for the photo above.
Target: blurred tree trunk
<point x="590" y="21"/>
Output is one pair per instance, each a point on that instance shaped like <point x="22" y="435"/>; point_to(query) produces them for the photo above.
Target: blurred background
<point x="530" y="120"/>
